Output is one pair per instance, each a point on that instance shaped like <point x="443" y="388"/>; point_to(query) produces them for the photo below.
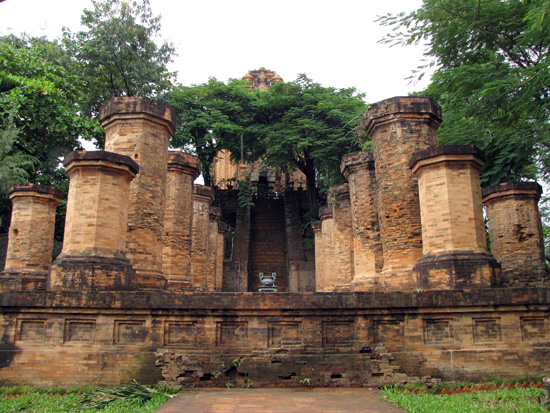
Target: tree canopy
<point x="45" y="106"/>
<point x="303" y="125"/>
<point x="212" y="117"/>
<point x="492" y="77"/>
<point x="119" y="53"/>
<point x="295" y="125"/>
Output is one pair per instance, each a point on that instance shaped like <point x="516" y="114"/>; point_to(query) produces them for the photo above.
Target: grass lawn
<point x="130" y="398"/>
<point x="499" y="400"/>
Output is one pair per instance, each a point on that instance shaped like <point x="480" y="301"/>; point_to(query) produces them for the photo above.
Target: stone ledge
<point x="184" y="162"/>
<point x="102" y="156"/>
<point x="401" y="105"/>
<point x="137" y="105"/>
<point x="444" y="150"/>
<point x="512" y="186"/>
<point x="235" y="302"/>
<point x="26" y="189"/>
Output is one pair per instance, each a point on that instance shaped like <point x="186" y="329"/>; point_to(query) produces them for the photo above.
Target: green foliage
<point x="244" y="197"/>
<point x="212" y="117"/>
<point x="133" y="398"/>
<point x="514" y="400"/>
<point x="492" y="78"/>
<point x="14" y="164"/>
<point x="305" y="126"/>
<point x="46" y="106"/>
<point x="118" y="52"/>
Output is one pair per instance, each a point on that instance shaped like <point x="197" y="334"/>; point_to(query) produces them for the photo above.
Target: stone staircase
<point x="268" y="243"/>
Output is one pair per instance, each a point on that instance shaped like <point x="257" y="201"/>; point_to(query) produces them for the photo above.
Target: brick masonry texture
<point x="31" y="233"/>
<point x="202" y="198"/>
<point x="101" y="322"/>
<point x="358" y="339"/>
<point x="141" y="128"/>
<point x="453" y="231"/>
<point x="183" y="169"/>
<point x="358" y="168"/>
<point x="515" y="231"/>
<point x="95" y="223"/>
<point x="399" y="127"/>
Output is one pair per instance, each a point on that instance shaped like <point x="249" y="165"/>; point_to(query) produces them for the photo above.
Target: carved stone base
<point x="457" y="270"/>
<point x="91" y="273"/>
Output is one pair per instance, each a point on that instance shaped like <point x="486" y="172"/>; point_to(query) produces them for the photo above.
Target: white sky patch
<point x="334" y="43"/>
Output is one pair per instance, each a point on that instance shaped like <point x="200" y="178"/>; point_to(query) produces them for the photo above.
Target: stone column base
<point x="87" y="272"/>
<point x="457" y="270"/>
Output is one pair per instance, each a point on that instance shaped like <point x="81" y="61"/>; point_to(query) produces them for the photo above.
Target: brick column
<point x="93" y="256"/>
<point x="222" y="229"/>
<point x="30" y="242"/>
<point x="358" y="168"/>
<point x="141" y="128"/>
<point x="212" y="249"/>
<point x="340" y="272"/>
<point x="325" y="256"/>
<point x="515" y="230"/>
<point x="183" y="169"/>
<point x="399" y="127"/>
<point x="455" y="251"/>
<point x="202" y="198"/>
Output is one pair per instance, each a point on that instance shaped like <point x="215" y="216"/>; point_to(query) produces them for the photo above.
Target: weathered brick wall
<point x="455" y="253"/>
<point x="515" y="230"/>
<point x="183" y="169"/>
<point x="93" y="255"/>
<point x="399" y="127"/>
<point x="141" y="128"/>
<point x="358" y="168"/>
<point x="202" y="198"/>
<point x="30" y="243"/>
<point x="67" y="338"/>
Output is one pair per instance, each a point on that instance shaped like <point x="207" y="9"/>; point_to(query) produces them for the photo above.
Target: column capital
<point x="354" y="161"/>
<point x="123" y="108"/>
<point x="446" y="153"/>
<point x="184" y="163"/>
<point x="408" y="107"/>
<point x="532" y="189"/>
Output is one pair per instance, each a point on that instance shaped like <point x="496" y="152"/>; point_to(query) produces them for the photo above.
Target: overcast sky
<point x="334" y="43"/>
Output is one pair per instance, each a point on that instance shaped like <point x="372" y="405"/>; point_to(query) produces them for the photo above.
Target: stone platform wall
<point x="206" y="339"/>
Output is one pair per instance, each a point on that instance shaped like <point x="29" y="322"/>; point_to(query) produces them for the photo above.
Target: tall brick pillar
<point x="93" y="256"/>
<point x="358" y="168"/>
<point x="325" y="255"/>
<point x="222" y="229"/>
<point x="515" y="230"/>
<point x="212" y="251"/>
<point x="183" y="169"/>
<point x="141" y="128"/>
<point x="341" y="270"/>
<point x="202" y="198"/>
<point x="399" y="127"/>
<point x="455" y="251"/>
<point x="30" y="242"/>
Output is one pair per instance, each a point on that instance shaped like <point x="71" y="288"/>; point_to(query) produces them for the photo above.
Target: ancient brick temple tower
<point x="265" y="239"/>
<point x="405" y="285"/>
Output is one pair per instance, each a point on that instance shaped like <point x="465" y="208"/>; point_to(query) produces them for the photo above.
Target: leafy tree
<point x="45" y="108"/>
<point x="212" y="117"/>
<point x="492" y="77"/>
<point x="119" y="53"/>
<point x="303" y="125"/>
